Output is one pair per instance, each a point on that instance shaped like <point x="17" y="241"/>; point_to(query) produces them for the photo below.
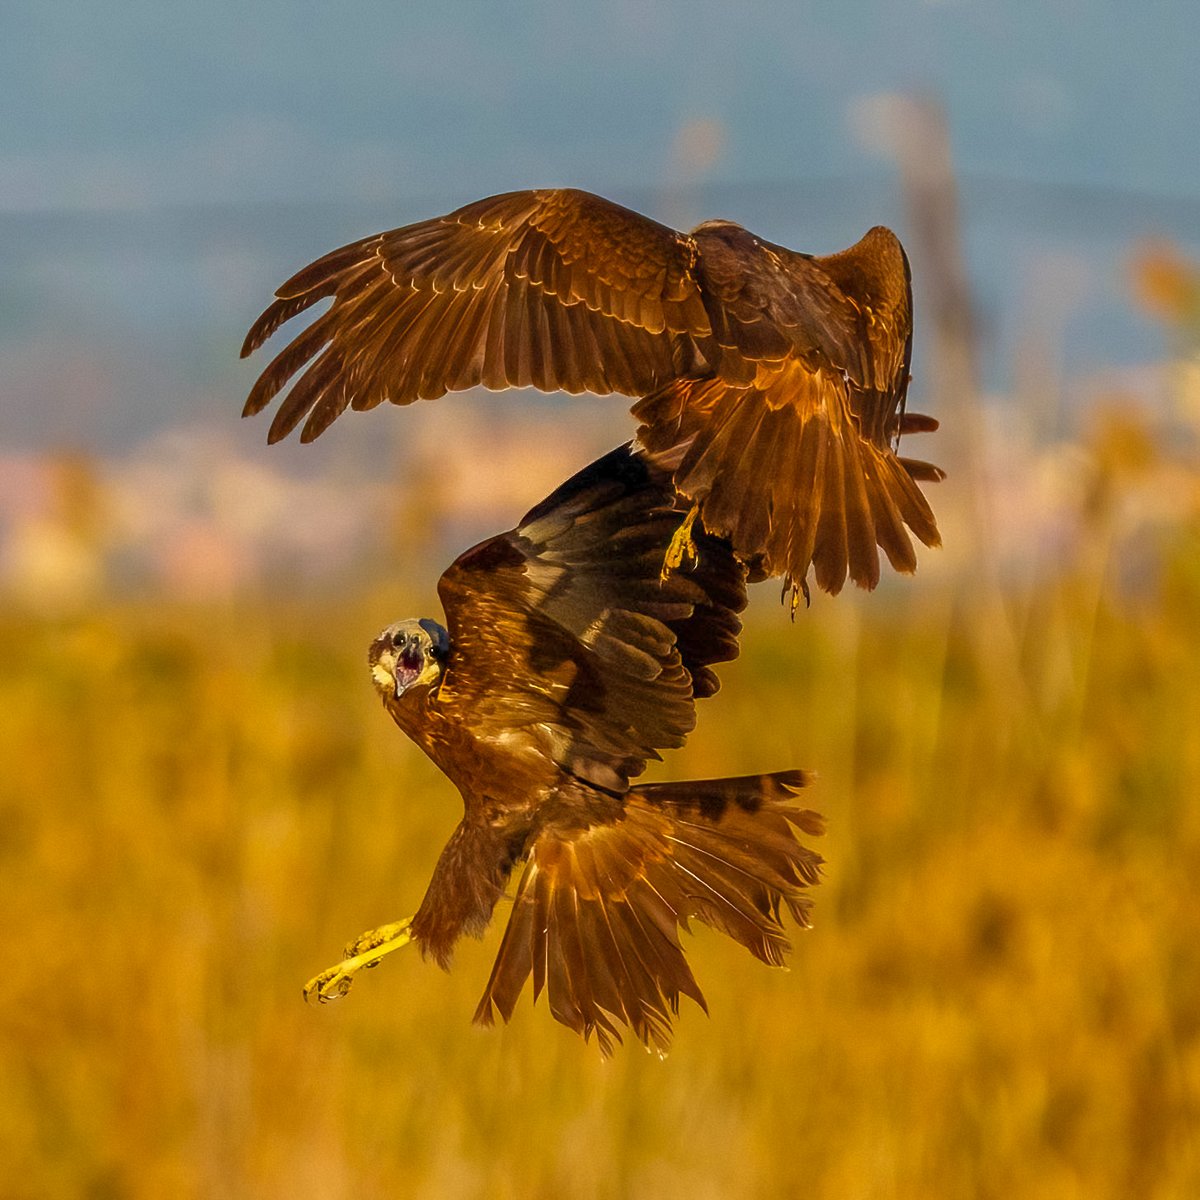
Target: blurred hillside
<point x="140" y="393"/>
<point x="115" y="325"/>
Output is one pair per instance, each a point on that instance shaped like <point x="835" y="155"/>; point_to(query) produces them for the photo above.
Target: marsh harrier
<point x="564" y="665"/>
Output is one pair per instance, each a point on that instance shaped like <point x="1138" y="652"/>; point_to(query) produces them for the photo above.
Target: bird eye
<point x="398" y="640"/>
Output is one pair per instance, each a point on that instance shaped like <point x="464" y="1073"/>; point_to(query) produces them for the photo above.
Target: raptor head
<point x="408" y="654"/>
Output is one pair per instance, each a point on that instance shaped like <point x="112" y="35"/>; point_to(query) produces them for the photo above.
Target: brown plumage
<point x="564" y="666"/>
<point x="771" y="383"/>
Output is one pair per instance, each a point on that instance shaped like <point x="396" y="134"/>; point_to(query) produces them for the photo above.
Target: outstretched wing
<point x="555" y="289"/>
<point x="868" y="327"/>
<point x="774" y="382"/>
<point x="563" y="634"/>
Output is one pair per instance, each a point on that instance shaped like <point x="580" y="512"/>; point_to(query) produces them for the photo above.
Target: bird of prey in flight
<point x="566" y="663"/>
<point x="770" y="384"/>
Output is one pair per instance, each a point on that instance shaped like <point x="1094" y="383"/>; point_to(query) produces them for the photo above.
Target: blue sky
<point x="139" y="102"/>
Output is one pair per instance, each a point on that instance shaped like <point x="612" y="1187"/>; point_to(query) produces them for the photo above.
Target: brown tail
<point x="598" y="910"/>
<point x="789" y="479"/>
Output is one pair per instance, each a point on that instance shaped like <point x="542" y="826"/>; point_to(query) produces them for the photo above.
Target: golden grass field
<point x="1000" y="996"/>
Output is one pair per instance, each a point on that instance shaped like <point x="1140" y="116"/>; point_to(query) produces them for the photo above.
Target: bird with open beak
<point x="566" y="663"/>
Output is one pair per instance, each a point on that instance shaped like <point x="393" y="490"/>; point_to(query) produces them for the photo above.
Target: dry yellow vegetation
<point x="1000" y="997"/>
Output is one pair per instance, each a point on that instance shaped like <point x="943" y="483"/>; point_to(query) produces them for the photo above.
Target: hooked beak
<point x="406" y="670"/>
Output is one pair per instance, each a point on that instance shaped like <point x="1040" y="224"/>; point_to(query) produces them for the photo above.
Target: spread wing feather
<point x="781" y="468"/>
<point x="563" y="631"/>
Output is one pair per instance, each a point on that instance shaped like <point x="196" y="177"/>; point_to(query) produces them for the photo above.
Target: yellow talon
<point x="367" y="950"/>
<point x="682" y="548"/>
<point x="797" y="590"/>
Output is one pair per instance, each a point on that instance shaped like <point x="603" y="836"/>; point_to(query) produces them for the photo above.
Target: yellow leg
<point x="367" y="950"/>
<point x="682" y="549"/>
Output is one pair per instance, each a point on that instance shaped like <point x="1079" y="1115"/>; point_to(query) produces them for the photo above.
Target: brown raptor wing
<point x="773" y="382"/>
<point x="789" y="446"/>
<point x="555" y="289"/>
<point x="563" y="634"/>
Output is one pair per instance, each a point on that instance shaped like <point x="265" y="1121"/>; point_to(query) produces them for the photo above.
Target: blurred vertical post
<point x="912" y="131"/>
<point x="922" y="152"/>
<point x="698" y="146"/>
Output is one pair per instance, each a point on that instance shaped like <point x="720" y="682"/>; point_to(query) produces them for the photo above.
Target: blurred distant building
<point x="53" y="553"/>
<point x="202" y="516"/>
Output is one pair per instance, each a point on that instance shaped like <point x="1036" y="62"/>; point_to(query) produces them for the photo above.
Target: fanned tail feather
<point x="598" y="910"/>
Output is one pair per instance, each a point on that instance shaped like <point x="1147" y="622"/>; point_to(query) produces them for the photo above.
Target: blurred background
<point x="200" y="801"/>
